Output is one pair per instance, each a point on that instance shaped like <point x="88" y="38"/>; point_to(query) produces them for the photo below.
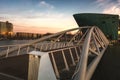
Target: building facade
<point x="6" y="28"/>
<point x="108" y="23"/>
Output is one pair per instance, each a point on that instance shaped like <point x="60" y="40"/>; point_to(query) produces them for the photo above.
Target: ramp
<point x="109" y="66"/>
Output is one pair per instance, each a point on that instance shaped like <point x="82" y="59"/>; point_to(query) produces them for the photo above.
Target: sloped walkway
<point x="109" y="66"/>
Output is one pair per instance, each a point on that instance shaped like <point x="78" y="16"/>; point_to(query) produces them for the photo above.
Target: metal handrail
<point x="92" y="42"/>
<point x="45" y="46"/>
<point x="84" y="72"/>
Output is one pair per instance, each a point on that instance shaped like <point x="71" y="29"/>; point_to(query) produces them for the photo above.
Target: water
<point x="13" y="42"/>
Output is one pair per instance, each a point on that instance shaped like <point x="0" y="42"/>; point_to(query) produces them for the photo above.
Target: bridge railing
<point x="84" y="55"/>
<point x="93" y="49"/>
<point x="44" y="46"/>
<point x="86" y="43"/>
<point x="59" y="40"/>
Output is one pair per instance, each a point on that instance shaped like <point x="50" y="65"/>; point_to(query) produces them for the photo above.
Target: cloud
<point x="2" y="18"/>
<point x="109" y="6"/>
<point x="34" y="14"/>
<point x="7" y="17"/>
<point x="113" y="10"/>
<point x="46" y="5"/>
<point x="104" y="3"/>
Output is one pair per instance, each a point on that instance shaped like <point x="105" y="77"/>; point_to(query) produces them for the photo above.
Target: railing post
<point x="98" y="39"/>
<point x="77" y="53"/>
<point x="7" y="52"/>
<point x="46" y="47"/>
<point x="103" y="36"/>
<point x="66" y="64"/>
<point x="95" y="42"/>
<point x="28" y="49"/>
<point x="55" y="66"/>
<point x="18" y="50"/>
<point x="99" y="36"/>
<point x="73" y="61"/>
<point x="41" y="47"/>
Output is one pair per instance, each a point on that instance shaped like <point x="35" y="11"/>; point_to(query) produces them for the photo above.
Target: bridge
<point x="84" y="55"/>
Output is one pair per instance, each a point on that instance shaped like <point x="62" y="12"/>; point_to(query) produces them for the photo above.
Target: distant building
<point x="6" y="28"/>
<point x="24" y="35"/>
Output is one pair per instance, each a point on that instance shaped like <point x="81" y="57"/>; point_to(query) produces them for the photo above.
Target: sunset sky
<point x="41" y="16"/>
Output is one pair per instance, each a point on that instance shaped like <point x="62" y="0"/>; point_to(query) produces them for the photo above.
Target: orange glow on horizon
<point x="44" y="25"/>
<point x="38" y="29"/>
<point x="49" y="24"/>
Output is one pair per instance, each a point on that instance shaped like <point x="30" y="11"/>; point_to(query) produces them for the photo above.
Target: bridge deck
<point x="68" y="57"/>
<point x="109" y="66"/>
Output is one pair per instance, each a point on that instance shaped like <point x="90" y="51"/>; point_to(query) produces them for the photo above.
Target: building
<point x="25" y="35"/>
<point x="106" y="22"/>
<point x="6" y="28"/>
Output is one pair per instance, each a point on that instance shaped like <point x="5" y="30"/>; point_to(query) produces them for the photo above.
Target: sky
<point x="42" y="16"/>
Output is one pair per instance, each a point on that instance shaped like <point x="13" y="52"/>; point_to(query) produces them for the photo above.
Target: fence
<point x="72" y="56"/>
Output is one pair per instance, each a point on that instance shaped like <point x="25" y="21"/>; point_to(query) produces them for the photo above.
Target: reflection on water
<point x="13" y="42"/>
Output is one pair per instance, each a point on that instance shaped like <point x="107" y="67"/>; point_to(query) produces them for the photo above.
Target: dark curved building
<point x="108" y="23"/>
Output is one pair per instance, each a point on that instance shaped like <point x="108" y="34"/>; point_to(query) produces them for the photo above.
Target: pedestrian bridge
<point x="72" y="54"/>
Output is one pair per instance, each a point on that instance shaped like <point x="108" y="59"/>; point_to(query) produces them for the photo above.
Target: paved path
<point x="109" y="66"/>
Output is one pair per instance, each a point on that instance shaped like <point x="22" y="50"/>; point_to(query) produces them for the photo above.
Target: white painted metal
<point x="41" y="43"/>
<point x="55" y="66"/>
<point x="7" y="51"/>
<point x="77" y="54"/>
<point x="73" y="61"/>
<point x="92" y="42"/>
<point x="18" y="50"/>
<point x="84" y="57"/>
<point x="73" y="37"/>
<point x="84" y="72"/>
<point x="46" y="71"/>
<point x="28" y="49"/>
<point x="64" y="58"/>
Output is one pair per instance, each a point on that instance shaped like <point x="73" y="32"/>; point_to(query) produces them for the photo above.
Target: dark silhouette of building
<point x="108" y="23"/>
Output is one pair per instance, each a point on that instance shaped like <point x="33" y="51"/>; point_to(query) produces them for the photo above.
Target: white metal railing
<point x="91" y="45"/>
<point x="62" y="52"/>
<point x="95" y="45"/>
<point x="44" y="44"/>
<point x="91" y="42"/>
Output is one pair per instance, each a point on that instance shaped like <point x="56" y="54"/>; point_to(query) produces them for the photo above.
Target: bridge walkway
<point x="109" y="66"/>
<point x="72" y="57"/>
